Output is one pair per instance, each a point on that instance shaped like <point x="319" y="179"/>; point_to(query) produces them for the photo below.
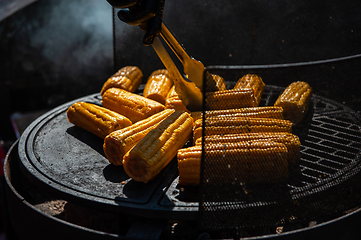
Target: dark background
<point x="54" y="51"/>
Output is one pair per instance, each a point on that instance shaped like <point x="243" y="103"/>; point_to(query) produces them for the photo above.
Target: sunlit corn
<point x="158" y="85"/>
<point x="118" y="143"/>
<point x="96" y="119"/>
<point x="131" y="105"/>
<point x="151" y="154"/>
<point x="128" y="78"/>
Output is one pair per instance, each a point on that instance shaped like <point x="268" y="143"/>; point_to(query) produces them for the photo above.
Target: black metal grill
<point x="326" y="183"/>
<point x="70" y="163"/>
<point x="330" y="156"/>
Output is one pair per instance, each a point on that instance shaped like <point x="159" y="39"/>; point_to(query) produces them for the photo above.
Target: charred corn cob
<point x="151" y="154"/>
<point x="118" y="143"/>
<point x="98" y="120"/>
<point x="220" y="125"/>
<point x="240" y="162"/>
<point x="173" y="101"/>
<point x="291" y="141"/>
<point x="128" y="78"/>
<point x="158" y="85"/>
<point x="230" y="99"/>
<point x="131" y="105"/>
<point x="254" y="82"/>
<point x="295" y="101"/>
<point x="220" y="83"/>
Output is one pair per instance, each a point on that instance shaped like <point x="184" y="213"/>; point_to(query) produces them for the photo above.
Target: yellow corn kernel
<point x="118" y="143"/>
<point x="295" y="101"/>
<point x="254" y="82"/>
<point x="240" y="162"/>
<point x="291" y="141"/>
<point x="96" y="119"/>
<point x="158" y="85"/>
<point x="220" y="125"/>
<point x="131" y="105"/>
<point x="230" y="99"/>
<point x="128" y="78"/>
<point x="151" y="154"/>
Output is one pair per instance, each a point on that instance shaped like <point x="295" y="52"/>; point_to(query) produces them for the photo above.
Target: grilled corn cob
<point x="220" y="83"/>
<point x="220" y="125"/>
<point x="237" y="163"/>
<point x="254" y="82"/>
<point x="189" y="165"/>
<point x="131" y="105"/>
<point x="295" y="101"/>
<point x="128" y="78"/>
<point x="257" y="112"/>
<point x="291" y="141"/>
<point x="212" y="83"/>
<point x="230" y="99"/>
<point x="118" y="143"/>
<point x="151" y="154"/>
<point x="98" y="120"/>
<point x="173" y="101"/>
<point x="158" y="85"/>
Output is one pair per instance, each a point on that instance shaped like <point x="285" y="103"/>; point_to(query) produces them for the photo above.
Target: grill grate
<point x="326" y="183"/>
<point x="332" y="144"/>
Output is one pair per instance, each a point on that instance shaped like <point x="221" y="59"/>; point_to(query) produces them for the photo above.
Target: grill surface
<point x="70" y="162"/>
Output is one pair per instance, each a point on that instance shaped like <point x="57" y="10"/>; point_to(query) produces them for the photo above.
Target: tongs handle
<point x="165" y="58"/>
<point x="190" y="95"/>
<point x="191" y="67"/>
<point x="172" y="42"/>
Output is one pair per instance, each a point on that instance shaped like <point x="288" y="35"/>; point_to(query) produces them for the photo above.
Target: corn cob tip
<point x="137" y="168"/>
<point x="112" y="150"/>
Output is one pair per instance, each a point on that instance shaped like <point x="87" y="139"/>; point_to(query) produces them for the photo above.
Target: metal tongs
<point x="188" y="85"/>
